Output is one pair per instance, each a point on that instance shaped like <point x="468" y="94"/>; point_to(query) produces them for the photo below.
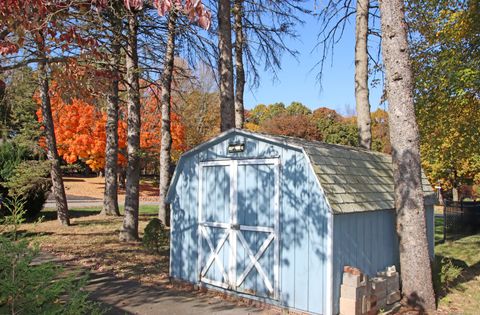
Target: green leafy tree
<point x="262" y="112"/>
<point x="297" y="108"/>
<point x="335" y="128"/>
<point x="446" y="64"/>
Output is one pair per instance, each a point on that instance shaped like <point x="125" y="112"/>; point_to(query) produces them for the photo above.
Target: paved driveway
<point x="130" y="297"/>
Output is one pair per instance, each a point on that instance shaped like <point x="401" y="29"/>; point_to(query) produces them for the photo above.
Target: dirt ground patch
<point x="93" y="187"/>
<point x="92" y="241"/>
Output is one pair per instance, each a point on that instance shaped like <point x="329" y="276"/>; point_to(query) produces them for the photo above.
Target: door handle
<point x="235" y="226"/>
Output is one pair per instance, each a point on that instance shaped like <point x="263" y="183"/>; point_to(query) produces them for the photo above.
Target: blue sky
<point x="297" y="81"/>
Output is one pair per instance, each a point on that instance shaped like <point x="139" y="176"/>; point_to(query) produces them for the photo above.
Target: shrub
<point x="23" y="177"/>
<point x="446" y="272"/>
<point x="14" y="217"/>
<point x="11" y="155"/>
<point x="29" y="288"/>
<point x="155" y="236"/>
<point x="30" y="180"/>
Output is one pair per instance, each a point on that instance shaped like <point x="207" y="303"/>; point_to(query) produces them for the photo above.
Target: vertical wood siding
<point x="368" y="240"/>
<point x="303" y="220"/>
<point x="184" y="223"/>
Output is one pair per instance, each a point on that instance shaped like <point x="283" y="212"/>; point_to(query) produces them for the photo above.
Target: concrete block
<point x="350" y="306"/>
<point x="393" y="297"/>
<point x="393" y="283"/>
<point x="352" y="280"/>
<point x="391" y="271"/>
<point x="369" y="303"/>
<point x="365" y="304"/>
<point x="379" y="287"/>
<point x="353" y="293"/>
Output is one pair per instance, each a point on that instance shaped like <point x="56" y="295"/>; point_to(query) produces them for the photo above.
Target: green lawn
<point x="50" y="213"/>
<point x="459" y="260"/>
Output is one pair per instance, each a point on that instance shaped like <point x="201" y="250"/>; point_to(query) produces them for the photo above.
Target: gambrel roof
<point x="353" y="179"/>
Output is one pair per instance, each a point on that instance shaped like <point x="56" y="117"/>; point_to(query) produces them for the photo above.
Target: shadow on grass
<point x="451" y="273"/>
<point x="49" y="215"/>
<point x="24" y="234"/>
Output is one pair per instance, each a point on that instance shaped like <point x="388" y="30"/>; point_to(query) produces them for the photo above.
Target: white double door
<point x="238" y="225"/>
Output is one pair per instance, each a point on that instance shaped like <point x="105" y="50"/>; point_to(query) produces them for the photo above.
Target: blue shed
<point x="276" y="218"/>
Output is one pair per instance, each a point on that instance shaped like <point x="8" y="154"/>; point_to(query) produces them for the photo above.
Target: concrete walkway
<point x="122" y="296"/>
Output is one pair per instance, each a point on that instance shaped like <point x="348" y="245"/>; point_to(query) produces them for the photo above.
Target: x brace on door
<point x="233" y="232"/>
<point x="253" y="258"/>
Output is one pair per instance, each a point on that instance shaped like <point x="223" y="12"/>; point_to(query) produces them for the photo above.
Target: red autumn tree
<point x="301" y="126"/>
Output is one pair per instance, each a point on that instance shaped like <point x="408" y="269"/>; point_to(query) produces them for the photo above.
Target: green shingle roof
<point x="354" y="179"/>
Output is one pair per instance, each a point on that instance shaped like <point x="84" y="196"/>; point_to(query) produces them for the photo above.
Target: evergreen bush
<point x="11" y="155"/>
<point x="31" y="181"/>
<point x="31" y="287"/>
<point x="155" y="236"/>
<point x="24" y="177"/>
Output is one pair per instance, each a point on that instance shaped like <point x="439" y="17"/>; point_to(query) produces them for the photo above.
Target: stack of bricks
<point x="392" y="279"/>
<point x="355" y="295"/>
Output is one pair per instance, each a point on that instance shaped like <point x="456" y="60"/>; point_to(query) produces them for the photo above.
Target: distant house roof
<point x="354" y="179"/>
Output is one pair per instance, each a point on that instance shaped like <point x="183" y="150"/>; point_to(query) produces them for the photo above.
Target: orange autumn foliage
<point x="80" y="130"/>
<point x="150" y="134"/>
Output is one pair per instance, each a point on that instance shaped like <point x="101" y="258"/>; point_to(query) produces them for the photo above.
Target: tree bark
<point x="110" y="196"/>
<point x="361" y="76"/>
<point x="52" y="153"/>
<point x="129" y="231"/>
<point x="225" y="66"/>
<point x="415" y="264"/>
<point x="240" y="78"/>
<point x="165" y="149"/>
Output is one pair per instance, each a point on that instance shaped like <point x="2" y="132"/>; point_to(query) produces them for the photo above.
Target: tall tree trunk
<point x="166" y="146"/>
<point x="225" y="66"/>
<point x="110" y="196"/>
<point x="361" y="76"/>
<point x="129" y="231"/>
<point x="415" y="265"/>
<point x="240" y="78"/>
<point x="52" y="153"/>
